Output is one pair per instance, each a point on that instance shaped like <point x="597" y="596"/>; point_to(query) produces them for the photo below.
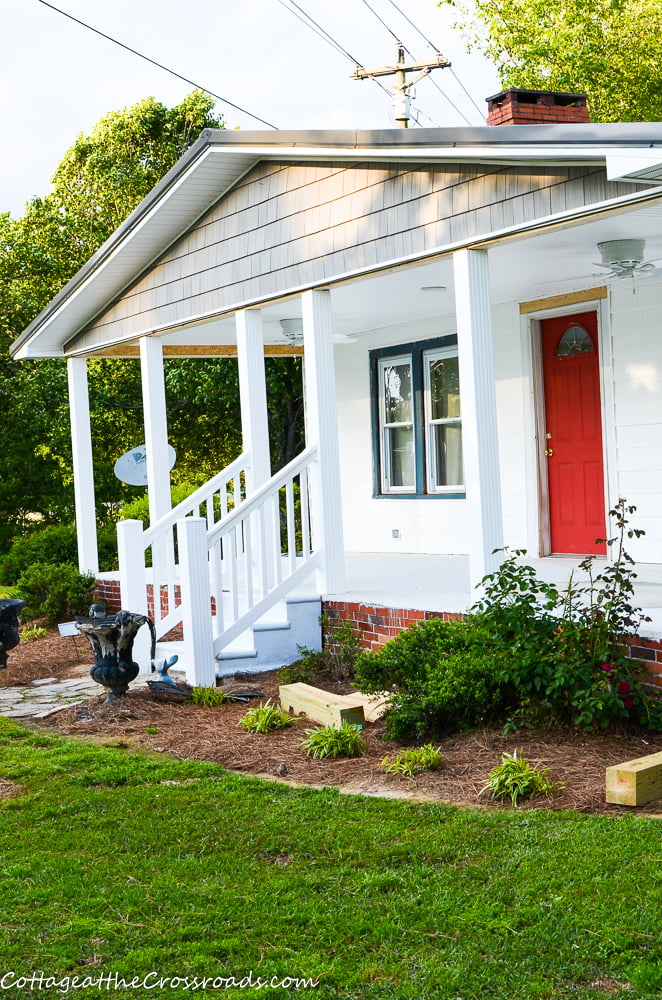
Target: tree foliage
<point x="99" y="181"/>
<point x="609" y="49"/>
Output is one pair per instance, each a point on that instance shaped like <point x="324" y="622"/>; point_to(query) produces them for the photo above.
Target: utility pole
<point x="402" y="92"/>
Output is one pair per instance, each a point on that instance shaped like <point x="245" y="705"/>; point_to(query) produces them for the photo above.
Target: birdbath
<point x="111" y="638"/>
<point x="9" y="637"/>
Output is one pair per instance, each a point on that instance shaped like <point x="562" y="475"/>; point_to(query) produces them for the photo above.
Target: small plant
<point x="411" y="762"/>
<point x="31" y="632"/>
<point x="516" y="778"/>
<point x="265" y="718"/>
<point x="334" y="741"/>
<point x="209" y="697"/>
<point x="336" y="660"/>
<point x="151" y="730"/>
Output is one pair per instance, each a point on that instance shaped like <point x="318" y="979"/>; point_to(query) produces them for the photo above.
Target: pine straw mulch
<point x="575" y="759"/>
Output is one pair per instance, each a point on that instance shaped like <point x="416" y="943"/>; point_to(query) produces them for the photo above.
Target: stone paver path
<point x="43" y="697"/>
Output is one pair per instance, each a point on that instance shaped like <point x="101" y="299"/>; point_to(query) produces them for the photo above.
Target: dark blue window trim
<point x="416" y="350"/>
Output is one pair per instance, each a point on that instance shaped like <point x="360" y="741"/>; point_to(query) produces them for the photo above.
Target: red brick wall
<point x="379" y="624"/>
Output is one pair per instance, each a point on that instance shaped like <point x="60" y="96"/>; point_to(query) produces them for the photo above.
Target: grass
<point x="119" y="863"/>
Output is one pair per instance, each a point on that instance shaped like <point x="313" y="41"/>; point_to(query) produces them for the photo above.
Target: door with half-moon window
<point x="573" y="434"/>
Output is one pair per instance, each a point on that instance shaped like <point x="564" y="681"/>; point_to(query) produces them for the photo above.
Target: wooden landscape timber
<point x="636" y="781"/>
<point x="330" y="709"/>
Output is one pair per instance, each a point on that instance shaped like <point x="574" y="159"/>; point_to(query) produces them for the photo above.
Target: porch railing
<point x="220" y="559"/>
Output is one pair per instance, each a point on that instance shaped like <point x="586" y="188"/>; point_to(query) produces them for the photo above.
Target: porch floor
<point x="441" y="582"/>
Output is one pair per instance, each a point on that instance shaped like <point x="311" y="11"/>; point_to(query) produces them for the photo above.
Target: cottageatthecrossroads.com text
<point x="151" y="981"/>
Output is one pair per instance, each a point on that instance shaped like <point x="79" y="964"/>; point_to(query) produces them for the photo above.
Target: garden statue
<point x="111" y="638"/>
<point x="9" y="637"/>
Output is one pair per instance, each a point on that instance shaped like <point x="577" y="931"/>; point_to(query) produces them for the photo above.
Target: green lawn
<point x="114" y="863"/>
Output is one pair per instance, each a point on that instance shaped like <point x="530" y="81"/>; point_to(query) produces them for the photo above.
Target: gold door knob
<point x="549" y="452"/>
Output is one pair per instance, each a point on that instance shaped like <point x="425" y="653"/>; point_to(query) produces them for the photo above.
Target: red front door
<point x="573" y="433"/>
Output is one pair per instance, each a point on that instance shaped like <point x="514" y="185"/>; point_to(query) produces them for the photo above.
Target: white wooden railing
<point x="221" y="549"/>
<point x="220" y="495"/>
<point x="261" y="551"/>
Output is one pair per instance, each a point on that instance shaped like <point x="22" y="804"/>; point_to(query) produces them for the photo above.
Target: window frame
<point x="415" y="352"/>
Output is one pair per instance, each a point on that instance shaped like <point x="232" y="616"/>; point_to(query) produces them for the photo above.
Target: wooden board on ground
<point x="320" y="706"/>
<point x="373" y="706"/>
<point x="635" y="781"/>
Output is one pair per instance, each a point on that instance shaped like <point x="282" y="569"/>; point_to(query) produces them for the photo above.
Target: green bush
<point x="443" y="677"/>
<point x="54" y="592"/>
<point x="563" y="652"/>
<point x="54" y="544"/>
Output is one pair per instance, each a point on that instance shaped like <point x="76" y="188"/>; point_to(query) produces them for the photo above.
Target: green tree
<point x="99" y="181"/>
<point x="609" y="49"/>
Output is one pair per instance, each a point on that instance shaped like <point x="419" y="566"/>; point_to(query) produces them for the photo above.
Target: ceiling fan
<point x="621" y="259"/>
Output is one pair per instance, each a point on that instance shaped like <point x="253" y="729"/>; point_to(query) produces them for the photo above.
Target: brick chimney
<point x="535" y="107"/>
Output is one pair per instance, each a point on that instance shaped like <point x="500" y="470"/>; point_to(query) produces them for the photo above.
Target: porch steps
<point x="271" y="643"/>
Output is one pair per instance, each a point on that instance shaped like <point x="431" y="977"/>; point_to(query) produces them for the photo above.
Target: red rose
<point x="628" y="704"/>
<point x="608" y="666"/>
<point x="624" y="687"/>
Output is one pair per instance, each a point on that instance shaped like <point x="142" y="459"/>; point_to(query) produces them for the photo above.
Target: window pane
<point x="447" y="454"/>
<point x="397" y="393"/>
<point x="400" y="456"/>
<point x="444" y="388"/>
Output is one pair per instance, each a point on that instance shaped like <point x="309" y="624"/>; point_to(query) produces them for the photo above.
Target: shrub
<point x="411" y="762"/>
<point x="54" y="545"/>
<point x="515" y="778"/>
<point x="334" y="741"/>
<point x="265" y="718"/>
<point x="563" y="651"/>
<point x="55" y="592"/>
<point x="442" y="674"/>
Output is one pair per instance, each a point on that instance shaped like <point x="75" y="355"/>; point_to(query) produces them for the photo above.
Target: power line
<point x="172" y="72"/>
<point x="383" y="23"/>
<point x="331" y="39"/>
<point x="320" y="34"/>
<point x="433" y="46"/>
<point x="311" y="23"/>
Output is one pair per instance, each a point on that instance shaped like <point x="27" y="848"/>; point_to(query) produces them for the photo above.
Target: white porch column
<point x="156" y="427"/>
<point x="253" y="396"/>
<point x="133" y="592"/>
<point x="479" y="415"/>
<point x="322" y="431"/>
<point x="81" y="449"/>
<point x="196" y="616"/>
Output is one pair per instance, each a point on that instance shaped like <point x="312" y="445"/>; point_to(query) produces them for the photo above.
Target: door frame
<point x="539" y="539"/>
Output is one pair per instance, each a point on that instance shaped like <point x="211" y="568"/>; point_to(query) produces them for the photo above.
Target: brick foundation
<point x="379" y="624"/>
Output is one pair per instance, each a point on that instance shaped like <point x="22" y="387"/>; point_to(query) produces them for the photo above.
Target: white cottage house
<point x="480" y="317"/>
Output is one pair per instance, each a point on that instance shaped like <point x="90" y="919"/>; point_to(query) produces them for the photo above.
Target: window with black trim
<point x="417" y="422"/>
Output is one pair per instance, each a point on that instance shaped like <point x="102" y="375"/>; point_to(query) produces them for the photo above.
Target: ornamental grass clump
<point x="515" y="778"/>
<point x="411" y="762"/>
<point x="209" y="697"/>
<point x="334" y="741"/>
<point x="265" y="718"/>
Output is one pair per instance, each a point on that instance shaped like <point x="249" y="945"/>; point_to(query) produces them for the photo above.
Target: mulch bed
<point x="575" y="759"/>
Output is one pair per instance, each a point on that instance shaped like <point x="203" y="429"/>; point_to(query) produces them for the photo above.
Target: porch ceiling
<point x="523" y="268"/>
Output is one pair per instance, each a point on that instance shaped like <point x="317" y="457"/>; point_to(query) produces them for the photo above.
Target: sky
<point x="57" y="78"/>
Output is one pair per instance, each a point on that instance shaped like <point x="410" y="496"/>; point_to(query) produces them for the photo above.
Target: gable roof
<point x="219" y="158"/>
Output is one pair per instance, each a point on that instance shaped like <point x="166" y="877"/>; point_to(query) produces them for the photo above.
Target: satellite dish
<point x="131" y="468"/>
